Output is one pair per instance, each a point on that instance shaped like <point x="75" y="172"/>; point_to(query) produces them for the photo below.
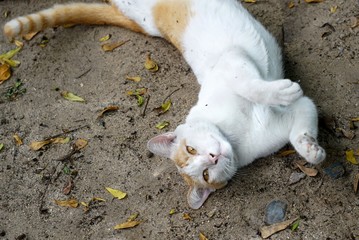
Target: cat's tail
<point x="74" y="13"/>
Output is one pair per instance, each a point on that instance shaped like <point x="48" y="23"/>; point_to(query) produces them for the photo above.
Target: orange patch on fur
<point x="171" y="18"/>
<point x="188" y="179"/>
<point x="218" y="185"/>
<point x="181" y="156"/>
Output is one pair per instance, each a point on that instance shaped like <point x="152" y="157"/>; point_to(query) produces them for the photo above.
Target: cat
<point x="245" y="109"/>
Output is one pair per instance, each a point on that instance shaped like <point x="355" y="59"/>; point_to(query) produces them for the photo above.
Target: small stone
<point x="296" y="177"/>
<point x="335" y="170"/>
<point x="149" y="154"/>
<point x="275" y="212"/>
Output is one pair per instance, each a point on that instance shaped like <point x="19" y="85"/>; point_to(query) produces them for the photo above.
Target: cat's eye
<point x="205" y="175"/>
<point x="191" y="150"/>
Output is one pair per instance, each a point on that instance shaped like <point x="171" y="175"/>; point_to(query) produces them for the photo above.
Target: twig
<point x="84" y="73"/>
<point x="67" y="132"/>
<point x="67" y="156"/>
<point x="172" y="93"/>
<point x="145" y="108"/>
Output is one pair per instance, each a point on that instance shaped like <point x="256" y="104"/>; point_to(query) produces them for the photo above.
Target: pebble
<point x="296" y="177"/>
<point x="275" y="212"/>
<point x="335" y="170"/>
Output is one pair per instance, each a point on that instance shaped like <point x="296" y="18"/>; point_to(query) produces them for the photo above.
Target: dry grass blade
<point x="111" y="46"/>
<point x="268" y="231"/>
<point x="356" y="183"/>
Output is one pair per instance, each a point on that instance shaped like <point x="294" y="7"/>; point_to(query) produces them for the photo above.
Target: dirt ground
<point x="321" y="51"/>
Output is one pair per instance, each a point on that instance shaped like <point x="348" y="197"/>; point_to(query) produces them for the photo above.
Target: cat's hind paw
<point x="309" y="148"/>
<point x="284" y="92"/>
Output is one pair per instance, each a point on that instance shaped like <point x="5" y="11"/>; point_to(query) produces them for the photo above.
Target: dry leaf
<point x="355" y="119"/>
<point x="150" y="65"/>
<point x="347" y="133"/>
<point x="38" y="145"/>
<point x="250" y="1"/>
<point x="186" y="216"/>
<point x="172" y="211"/>
<point x="291" y="4"/>
<point x="132" y="217"/>
<point x="313" y="1"/>
<point x="135" y="79"/>
<point x="350" y="157"/>
<point x="105" y="38"/>
<point x="138" y="91"/>
<point x="18" y="43"/>
<point x="44" y="41"/>
<point x="6" y="57"/>
<point x="107" y="109"/>
<point x="73" y="203"/>
<point x="108" y="47"/>
<point x="116" y="193"/>
<point x="162" y="125"/>
<point x="354" y="22"/>
<point x="5" y="72"/>
<point x="80" y="143"/>
<point x="125" y="225"/>
<point x="29" y="36"/>
<point x="311" y="172"/>
<point x="60" y="140"/>
<point x="1" y="146"/>
<point x="68" y="187"/>
<point x="71" y="97"/>
<point x="18" y="139"/>
<point x="267" y="231"/>
<point x="286" y="153"/>
<point x="333" y="9"/>
<point x="356" y="183"/>
<point x="202" y="236"/>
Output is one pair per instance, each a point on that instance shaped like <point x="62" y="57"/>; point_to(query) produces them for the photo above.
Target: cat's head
<point x="202" y="155"/>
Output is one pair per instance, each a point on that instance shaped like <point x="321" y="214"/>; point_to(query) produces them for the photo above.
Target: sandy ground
<point x="324" y="58"/>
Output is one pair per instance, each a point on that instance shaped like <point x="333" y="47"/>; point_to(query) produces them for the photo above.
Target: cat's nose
<point x="213" y="158"/>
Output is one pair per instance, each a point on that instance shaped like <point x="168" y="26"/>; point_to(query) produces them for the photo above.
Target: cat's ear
<point x="162" y="144"/>
<point x="197" y="196"/>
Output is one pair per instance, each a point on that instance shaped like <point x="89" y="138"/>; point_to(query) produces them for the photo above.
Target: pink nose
<point x="213" y="158"/>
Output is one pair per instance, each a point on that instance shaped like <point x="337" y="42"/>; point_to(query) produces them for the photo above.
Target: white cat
<point x="245" y="108"/>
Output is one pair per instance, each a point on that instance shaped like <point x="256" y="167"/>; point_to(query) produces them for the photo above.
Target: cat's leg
<point x="304" y="130"/>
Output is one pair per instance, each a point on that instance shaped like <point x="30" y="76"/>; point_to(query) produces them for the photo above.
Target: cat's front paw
<point x="284" y="92"/>
<point x="309" y="148"/>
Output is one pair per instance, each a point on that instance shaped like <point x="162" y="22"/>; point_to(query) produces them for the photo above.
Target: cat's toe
<point x="308" y="147"/>
<point x="285" y="92"/>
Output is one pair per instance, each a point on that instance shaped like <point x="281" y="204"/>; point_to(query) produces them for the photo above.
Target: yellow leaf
<point x="84" y="204"/>
<point x="6" y="57"/>
<point x="125" y="225"/>
<point x="116" y="193"/>
<point x="355" y="119"/>
<point x="311" y="172"/>
<point x="1" y="146"/>
<point x="162" y="125"/>
<point x="18" y="43"/>
<point x="98" y="199"/>
<point x="5" y="72"/>
<point x="202" y="236"/>
<point x="38" y="145"/>
<point x="73" y="203"/>
<point x="291" y="4"/>
<point x="135" y="79"/>
<point x="166" y="106"/>
<point x="172" y="211"/>
<point x="250" y="1"/>
<point x="60" y="140"/>
<point x="132" y="217"/>
<point x="108" y="47"/>
<point x="71" y="97"/>
<point x="150" y="65"/>
<point x="314" y="1"/>
<point x="186" y="216"/>
<point x="29" y="36"/>
<point x="286" y="153"/>
<point x="333" y="9"/>
<point x="138" y="91"/>
<point x="18" y="139"/>
<point x="81" y="143"/>
<point x="108" y="109"/>
<point x="350" y="157"/>
<point x="105" y="38"/>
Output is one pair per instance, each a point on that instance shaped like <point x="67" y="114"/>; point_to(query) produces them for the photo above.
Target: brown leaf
<point x="291" y="4"/>
<point x="135" y="79"/>
<point x="349" y="154"/>
<point x="5" y="72"/>
<point x="108" y="47"/>
<point x="38" y="145"/>
<point x="354" y="22"/>
<point x="73" y="203"/>
<point x="202" y="236"/>
<point x="127" y="224"/>
<point x="311" y="172"/>
<point x="347" y="133"/>
<point x="80" y="143"/>
<point x="186" y="216"/>
<point x="267" y="231"/>
<point x="151" y="65"/>
<point x="250" y="1"/>
<point x="18" y="139"/>
<point x="356" y="183"/>
<point x="286" y="153"/>
<point x="68" y="187"/>
<point x="107" y="109"/>
<point x="313" y="1"/>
